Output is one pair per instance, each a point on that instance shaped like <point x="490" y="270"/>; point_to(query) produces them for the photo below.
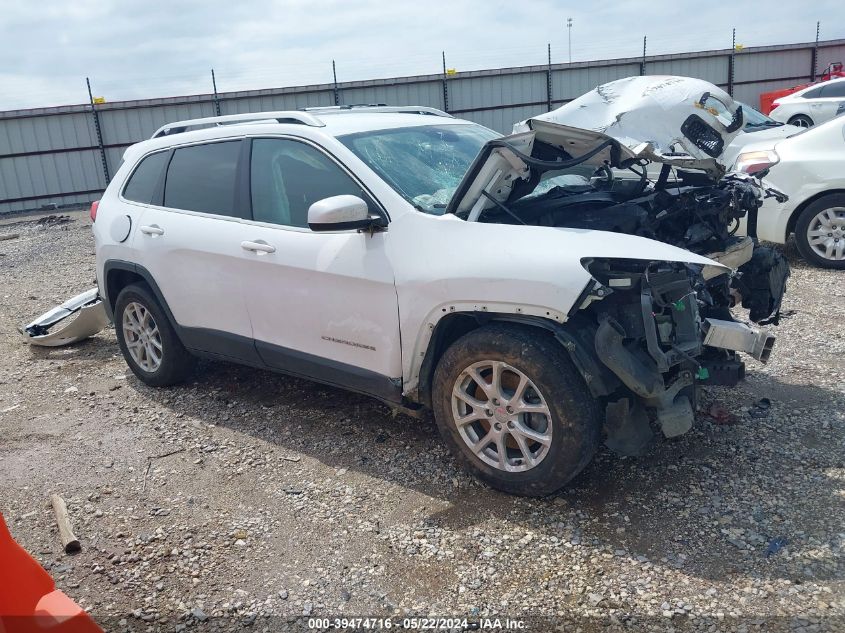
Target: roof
<point x="335" y="122"/>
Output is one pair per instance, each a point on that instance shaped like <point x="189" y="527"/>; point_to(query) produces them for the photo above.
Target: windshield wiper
<point x="766" y="124"/>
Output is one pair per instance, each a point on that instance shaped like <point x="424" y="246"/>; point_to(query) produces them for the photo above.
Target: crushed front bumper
<point x="76" y="319"/>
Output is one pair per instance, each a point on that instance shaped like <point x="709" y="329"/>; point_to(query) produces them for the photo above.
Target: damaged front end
<point x="76" y="319"/>
<point x="647" y="329"/>
<point x="652" y="331"/>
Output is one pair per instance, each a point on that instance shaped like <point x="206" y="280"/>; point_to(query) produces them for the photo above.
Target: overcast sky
<point x="150" y="48"/>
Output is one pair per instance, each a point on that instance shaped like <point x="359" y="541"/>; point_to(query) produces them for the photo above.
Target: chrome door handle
<point x="258" y="247"/>
<point x="153" y="229"/>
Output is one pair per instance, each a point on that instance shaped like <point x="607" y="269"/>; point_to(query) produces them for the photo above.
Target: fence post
<point x="336" y="91"/>
<point x="642" y="63"/>
<point x="731" y="65"/>
<point x="549" y="79"/>
<point x="814" y="61"/>
<point x="216" y="98"/>
<point x="99" y="132"/>
<point x="445" y="86"/>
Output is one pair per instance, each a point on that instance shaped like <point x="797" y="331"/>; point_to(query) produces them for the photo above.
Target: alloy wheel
<point x="142" y="337"/>
<point x="826" y="233"/>
<point x="501" y="416"/>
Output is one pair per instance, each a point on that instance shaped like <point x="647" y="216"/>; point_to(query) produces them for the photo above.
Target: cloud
<point x="136" y="49"/>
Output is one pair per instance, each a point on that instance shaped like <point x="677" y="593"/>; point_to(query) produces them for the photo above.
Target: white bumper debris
<point x="76" y="319"/>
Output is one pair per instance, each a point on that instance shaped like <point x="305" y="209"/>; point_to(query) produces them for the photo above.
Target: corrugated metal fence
<point x="52" y="156"/>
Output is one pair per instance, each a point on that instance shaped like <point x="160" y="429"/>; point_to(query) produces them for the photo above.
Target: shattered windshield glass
<point x="423" y="164"/>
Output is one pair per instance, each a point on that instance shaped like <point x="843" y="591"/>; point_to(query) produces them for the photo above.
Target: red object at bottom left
<point x="29" y="600"/>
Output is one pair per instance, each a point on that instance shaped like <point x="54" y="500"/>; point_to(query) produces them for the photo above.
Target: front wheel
<point x="820" y="232"/>
<point x="514" y="410"/>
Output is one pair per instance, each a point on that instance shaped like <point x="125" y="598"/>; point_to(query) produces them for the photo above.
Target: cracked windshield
<point x="423" y="164"/>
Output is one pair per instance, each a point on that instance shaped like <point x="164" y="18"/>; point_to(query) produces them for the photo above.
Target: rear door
<point x="189" y="240"/>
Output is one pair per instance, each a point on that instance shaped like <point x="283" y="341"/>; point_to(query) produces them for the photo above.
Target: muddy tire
<point x="147" y="339"/>
<point x="820" y="232"/>
<point x="513" y="409"/>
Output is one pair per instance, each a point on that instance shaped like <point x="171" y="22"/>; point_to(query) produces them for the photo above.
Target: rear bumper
<point x="76" y="319"/>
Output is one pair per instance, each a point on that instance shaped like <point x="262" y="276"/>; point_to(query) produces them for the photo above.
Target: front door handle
<point x="153" y="229"/>
<point x="259" y="246"/>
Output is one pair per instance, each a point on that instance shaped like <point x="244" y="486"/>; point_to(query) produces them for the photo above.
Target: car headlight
<point x="753" y="162"/>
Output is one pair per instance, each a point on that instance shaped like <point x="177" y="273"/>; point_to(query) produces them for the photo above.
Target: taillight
<point x="752" y="162"/>
<point x="93" y="212"/>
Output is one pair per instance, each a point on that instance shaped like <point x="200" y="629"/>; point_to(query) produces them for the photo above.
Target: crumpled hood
<point x="679" y="121"/>
<point x="672" y="114"/>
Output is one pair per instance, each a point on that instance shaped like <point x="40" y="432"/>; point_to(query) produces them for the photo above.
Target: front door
<point x="322" y="305"/>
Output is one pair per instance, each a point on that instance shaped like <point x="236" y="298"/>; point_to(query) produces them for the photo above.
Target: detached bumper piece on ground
<point x="76" y="319"/>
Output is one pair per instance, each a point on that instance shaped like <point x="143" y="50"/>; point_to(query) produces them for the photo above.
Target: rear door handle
<point x="153" y="229"/>
<point x="259" y="246"/>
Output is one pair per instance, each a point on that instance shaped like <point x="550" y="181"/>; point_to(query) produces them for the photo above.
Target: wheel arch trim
<point x="113" y="265"/>
<point x="429" y="348"/>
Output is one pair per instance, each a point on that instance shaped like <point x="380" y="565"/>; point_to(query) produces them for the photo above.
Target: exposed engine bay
<point x="644" y="333"/>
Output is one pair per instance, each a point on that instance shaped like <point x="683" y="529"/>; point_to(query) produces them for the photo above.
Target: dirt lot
<point x="287" y="498"/>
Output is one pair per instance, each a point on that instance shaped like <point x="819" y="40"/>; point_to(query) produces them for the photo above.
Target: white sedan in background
<point x="812" y="105"/>
<point x="809" y="167"/>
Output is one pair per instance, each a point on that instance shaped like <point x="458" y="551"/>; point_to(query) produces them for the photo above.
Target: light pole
<point x="569" y="30"/>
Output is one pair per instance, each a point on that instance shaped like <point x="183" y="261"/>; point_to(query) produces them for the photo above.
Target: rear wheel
<point x="148" y="341"/>
<point x="820" y="232"/>
<point x="801" y="120"/>
<point x="514" y="410"/>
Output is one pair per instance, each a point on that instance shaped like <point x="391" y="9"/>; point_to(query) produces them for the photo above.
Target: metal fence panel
<point x="46" y="133"/>
<point x="497" y="90"/>
<point x="422" y="93"/>
<point x="754" y="66"/>
<point x="713" y="69"/>
<point x="50" y="155"/>
<point x="571" y="83"/>
<point x="502" y="119"/>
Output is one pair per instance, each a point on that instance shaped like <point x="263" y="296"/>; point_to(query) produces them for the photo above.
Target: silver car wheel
<point x="501" y="416"/>
<point x="142" y="338"/>
<point x="826" y="233"/>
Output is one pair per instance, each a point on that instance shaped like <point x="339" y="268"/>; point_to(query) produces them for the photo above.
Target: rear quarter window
<point x="144" y="180"/>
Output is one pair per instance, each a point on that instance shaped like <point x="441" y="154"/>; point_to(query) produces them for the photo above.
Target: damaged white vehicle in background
<point x="538" y="309"/>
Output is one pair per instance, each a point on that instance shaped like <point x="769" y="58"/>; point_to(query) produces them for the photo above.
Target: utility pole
<point x="569" y="30"/>
<point x="336" y="91"/>
<point x="445" y="85"/>
<point x="99" y="132"/>
<point x="814" y="61"/>
<point x="216" y="98"/>
<point x="731" y="64"/>
<point x="549" y="79"/>
<point x="642" y="63"/>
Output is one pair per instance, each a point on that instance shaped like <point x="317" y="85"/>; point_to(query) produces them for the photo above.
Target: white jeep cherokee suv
<point x="394" y="252"/>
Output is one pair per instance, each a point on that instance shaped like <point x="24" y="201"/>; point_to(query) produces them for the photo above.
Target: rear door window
<point x="203" y="178"/>
<point x="144" y="180"/>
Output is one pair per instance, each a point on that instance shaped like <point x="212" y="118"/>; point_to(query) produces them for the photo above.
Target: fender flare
<point x="112" y="265"/>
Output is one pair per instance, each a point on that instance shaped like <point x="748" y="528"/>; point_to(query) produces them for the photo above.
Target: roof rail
<point x="376" y="107"/>
<point x="280" y="116"/>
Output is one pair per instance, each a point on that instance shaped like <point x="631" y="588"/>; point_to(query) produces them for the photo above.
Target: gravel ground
<point x="248" y="499"/>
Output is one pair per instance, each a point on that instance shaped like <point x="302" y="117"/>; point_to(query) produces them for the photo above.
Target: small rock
<point x="199" y="614"/>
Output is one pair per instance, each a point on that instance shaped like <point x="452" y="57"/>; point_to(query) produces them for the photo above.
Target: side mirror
<point x="340" y="213"/>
